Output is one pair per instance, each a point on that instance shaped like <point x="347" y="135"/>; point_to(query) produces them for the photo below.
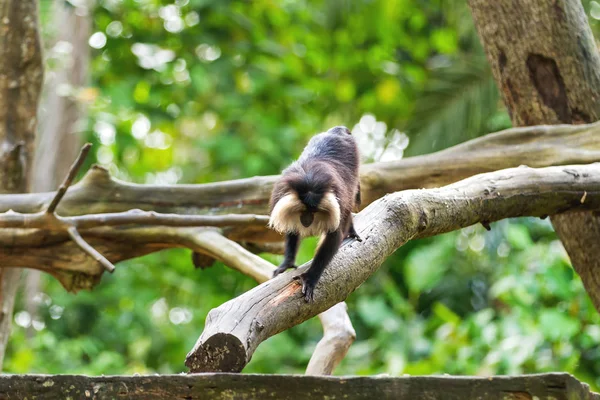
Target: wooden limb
<point x="69" y="178"/>
<point x="235" y="329"/>
<point x="90" y="250"/>
<point x="338" y="333"/>
<point x="292" y="387"/>
<point x="11" y="219"/>
<point x="54" y="252"/>
<point x="233" y="255"/>
<point x="537" y="146"/>
<point x="338" y="336"/>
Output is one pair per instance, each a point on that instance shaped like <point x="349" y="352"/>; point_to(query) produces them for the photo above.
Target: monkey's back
<point x="336" y="147"/>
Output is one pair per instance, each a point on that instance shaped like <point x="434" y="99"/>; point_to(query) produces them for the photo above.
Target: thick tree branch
<point x="538" y="146"/>
<point x="41" y="220"/>
<point x="46" y="248"/>
<point x="235" y="329"/>
<point x="338" y="333"/>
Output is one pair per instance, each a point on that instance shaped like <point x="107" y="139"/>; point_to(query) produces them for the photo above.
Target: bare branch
<point x="236" y="328"/>
<point x="90" y="250"/>
<point x="11" y="219"/>
<point x="69" y="178"/>
<point x="338" y="336"/>
<point x="537" y="146"/>
<point x="233" y="255"/>
<point x="338" y="333"/>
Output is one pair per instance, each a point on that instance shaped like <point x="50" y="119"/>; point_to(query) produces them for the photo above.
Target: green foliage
<point x="199" y="90"/>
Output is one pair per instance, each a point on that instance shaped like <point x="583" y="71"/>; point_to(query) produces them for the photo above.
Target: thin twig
<point x="69" y="178"/>
<point x="89" y="249"/>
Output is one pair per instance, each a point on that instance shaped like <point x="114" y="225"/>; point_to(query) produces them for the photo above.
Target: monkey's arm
<point x="324" y="255"/>
<point x="291" y="248"/>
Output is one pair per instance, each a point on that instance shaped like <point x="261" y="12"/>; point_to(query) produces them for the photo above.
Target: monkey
<point x="315" y="196"/>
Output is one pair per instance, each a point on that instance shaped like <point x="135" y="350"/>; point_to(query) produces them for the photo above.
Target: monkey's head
<point x="304" y="202"/>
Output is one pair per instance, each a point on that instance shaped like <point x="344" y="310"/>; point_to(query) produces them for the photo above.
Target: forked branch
<point x="338" y="333"/>
<point x="235" y="329"/>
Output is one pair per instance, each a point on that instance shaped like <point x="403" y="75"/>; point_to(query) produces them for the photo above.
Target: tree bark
<point x="21" y="74"/>
<point x="234" y="330"/>
<point x="53" y="251"/>
<point x="539" y="146"/>
<point x="545" y="61"/>
<point x="292" y="387"/>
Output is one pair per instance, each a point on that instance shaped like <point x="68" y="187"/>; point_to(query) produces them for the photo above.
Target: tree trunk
<point x="20" y="83"/>
<point x="545" y="61"/>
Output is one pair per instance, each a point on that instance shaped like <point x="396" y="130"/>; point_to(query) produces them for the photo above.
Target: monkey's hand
<point x="308" y="286"/>
<point x="282" y="268"/>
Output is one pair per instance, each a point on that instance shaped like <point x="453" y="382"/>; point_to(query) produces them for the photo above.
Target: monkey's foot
<point x="282" y="268"/>
<point x="308" y="286"/>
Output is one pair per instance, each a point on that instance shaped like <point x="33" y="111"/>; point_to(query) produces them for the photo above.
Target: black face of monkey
<point x="311" y="201"/>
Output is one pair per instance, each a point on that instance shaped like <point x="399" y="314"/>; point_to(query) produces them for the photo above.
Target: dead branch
<point x="537" y="146"/>
<point x="40" y="220"/>
<point x="338" y="333"/>
<point x="69" y="178"/>
<point x="89" y="249"/>
<point x="236" y="328"/>
<point x="338" y="336"/>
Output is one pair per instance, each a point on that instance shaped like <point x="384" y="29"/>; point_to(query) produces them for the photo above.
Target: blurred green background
<point x="196" y="91"/>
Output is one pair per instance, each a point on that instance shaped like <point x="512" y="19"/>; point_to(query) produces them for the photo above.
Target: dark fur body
<point x="319" y="189"/>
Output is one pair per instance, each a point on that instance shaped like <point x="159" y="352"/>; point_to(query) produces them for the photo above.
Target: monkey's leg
<point x="291" y="248"/>
<point x="325" y="253"/>
<point x="351" y="231"/>
<point x="357" y="199"/>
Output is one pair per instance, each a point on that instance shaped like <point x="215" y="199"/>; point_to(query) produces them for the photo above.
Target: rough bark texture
<point x="547" y="66"/>
<point x="235" y="329"/>
<point x="20" y="83"/>
<point x="293" y="387"/>
<point x="97" y="192"/>
<point x="338" y="333"/>
<point x="338" y="336"/>
<point x="539" y="146"/>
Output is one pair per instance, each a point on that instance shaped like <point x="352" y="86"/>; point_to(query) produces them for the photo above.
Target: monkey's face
<point x="307" y="214"/>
